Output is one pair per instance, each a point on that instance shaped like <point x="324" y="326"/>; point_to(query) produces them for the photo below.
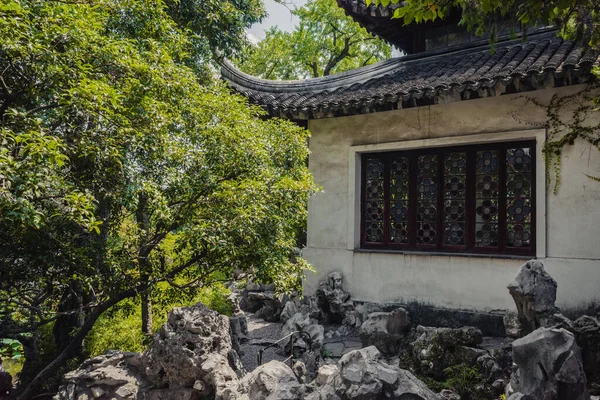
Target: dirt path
<point x="260" y="334"/>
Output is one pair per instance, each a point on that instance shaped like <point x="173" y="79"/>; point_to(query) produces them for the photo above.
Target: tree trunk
<point x="143" y="222"/>
<point x="146" y="312"/>
<point x="67" y="353"/>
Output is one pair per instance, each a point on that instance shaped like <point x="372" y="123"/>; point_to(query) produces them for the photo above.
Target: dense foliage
<point x="125" y="163"/>
<point x="576" y="18"/>
<point x="324" y="42"/>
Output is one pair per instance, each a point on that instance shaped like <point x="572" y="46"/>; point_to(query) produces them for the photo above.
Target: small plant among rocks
<point x="464" y="379"/>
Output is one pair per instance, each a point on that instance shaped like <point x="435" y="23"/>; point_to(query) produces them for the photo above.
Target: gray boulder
<point x="587" y="335"/>
<point x="289" y="309"/>
<point x="333" y="301"/>
<point x="534" y="293"/>
<point x="548" y="366"/>
<point x="325" y="372"/>
<point x="316" y="333"/>
<point x="266" y="305"/>
<point x="184" y="342"/>
<point x="107" y="376"/>
<point x="385" y="330"/>
<point x="439" y="348"/>
<point x="294" y="324"/>
<point x="363" y="375"/>
<point x="188" y="359"/>
<point x="274" y="381"/>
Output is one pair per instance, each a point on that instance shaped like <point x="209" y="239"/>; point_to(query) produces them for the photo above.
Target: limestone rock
<point x="512" y="326"/>
<point x="333" y="301"/>
<point x="587" y="334"/>
<point x="325" y="372"/>
<point x="449" y="395"/>
<point x="184" y="342"/>
<point x="317" y="335"/>
<point x="273" y="380"/>
<point x="238" y="330"/>
<point x="549" y="366"/>
<point x="289" y="309"/>
<point x="385" y="330"/>
<point x="294" y="324"/>
<point x="439" y="348"/>
<point x="107" y="376"/>
<point x="534" y="293"/>
<point x="266" y="305"/>
<point x="190" y="358"/>
<point x="362" y="375"/>
<point x="300" y="371"/>
<point x="219" y="377"/>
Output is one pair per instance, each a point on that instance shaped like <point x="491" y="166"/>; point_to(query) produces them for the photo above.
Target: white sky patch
<point x="279" y="15"/>
<point x="252" y="38"/>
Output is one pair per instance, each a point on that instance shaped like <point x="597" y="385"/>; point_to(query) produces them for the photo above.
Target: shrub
<point x="120" y="329"/>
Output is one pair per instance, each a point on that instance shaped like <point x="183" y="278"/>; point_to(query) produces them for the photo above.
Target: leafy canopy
<point x="326" y="41"/>
<point x="576" y="18"/>
<point x="124" y="162"/>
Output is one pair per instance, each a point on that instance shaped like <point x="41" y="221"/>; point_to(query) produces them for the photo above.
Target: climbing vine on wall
<point x="569" y="118"/>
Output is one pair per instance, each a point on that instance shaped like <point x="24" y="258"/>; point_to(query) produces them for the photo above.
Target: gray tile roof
<point x="422" y="79"/>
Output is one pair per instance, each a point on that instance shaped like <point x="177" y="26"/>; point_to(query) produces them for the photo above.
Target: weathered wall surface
<point x="568" y="226"/>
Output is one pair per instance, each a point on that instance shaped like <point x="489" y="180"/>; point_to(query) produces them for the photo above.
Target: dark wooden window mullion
<point x="440" y="202"/>
<point x="386" y="201"/>
<point x="502" y="200"/>
<point x="363" y="198"/>
<point x="412" y="201"/>
<point x="533" y="200"/>
<point x="470" y="201"/>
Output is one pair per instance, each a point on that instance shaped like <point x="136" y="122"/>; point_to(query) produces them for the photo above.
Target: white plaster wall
<point x="568" y="226"/>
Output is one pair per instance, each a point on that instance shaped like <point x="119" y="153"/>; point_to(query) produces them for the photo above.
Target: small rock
<point x="300" y="371"/>
<point x="273" y="380"/>
<point x="449" y="395"/>
<point x="289" y="309"/>
<point x="325" y="372"/>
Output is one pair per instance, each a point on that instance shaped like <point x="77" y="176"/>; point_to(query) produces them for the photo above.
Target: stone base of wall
<point x="490" y="323"/>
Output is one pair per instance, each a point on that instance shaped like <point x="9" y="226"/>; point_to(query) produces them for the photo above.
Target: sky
<point x="279" y="15"/>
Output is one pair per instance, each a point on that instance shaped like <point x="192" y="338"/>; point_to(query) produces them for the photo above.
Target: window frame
<point x="470" y="200"/>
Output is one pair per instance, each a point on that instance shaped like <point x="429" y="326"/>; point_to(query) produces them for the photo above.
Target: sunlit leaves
<point x="326" y="41"/>
<point x="577" y="20"/>
<point x="123" y="159"/>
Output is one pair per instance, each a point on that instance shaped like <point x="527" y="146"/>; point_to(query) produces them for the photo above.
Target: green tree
<point x="577" y="19"/>
<point x="125" y="164"/>
<point x="325" y="42"/>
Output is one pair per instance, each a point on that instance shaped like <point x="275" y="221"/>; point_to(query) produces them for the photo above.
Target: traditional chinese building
<point x="434" y="183"/>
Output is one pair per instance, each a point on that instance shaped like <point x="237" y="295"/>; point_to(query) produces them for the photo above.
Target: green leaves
<point x="11" y="349"/>
<point x="326" y="41"/>
<point x="124" y="161"/>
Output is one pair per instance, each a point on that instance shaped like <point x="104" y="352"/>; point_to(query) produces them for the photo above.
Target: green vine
<point x="568" y="120"/>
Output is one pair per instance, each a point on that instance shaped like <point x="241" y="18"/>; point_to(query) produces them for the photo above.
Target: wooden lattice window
<point x="472" y="199"/>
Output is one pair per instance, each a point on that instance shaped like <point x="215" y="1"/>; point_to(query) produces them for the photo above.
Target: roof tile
<point x="404" y="81"/>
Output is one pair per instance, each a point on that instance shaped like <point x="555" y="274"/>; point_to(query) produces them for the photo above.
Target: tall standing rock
<point x="549" y="366"/>
<point x="333" y="300"/>
<point x="534" y="293"/>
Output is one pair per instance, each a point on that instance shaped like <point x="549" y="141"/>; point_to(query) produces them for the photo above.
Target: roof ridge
<point x="359" y="75"/>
